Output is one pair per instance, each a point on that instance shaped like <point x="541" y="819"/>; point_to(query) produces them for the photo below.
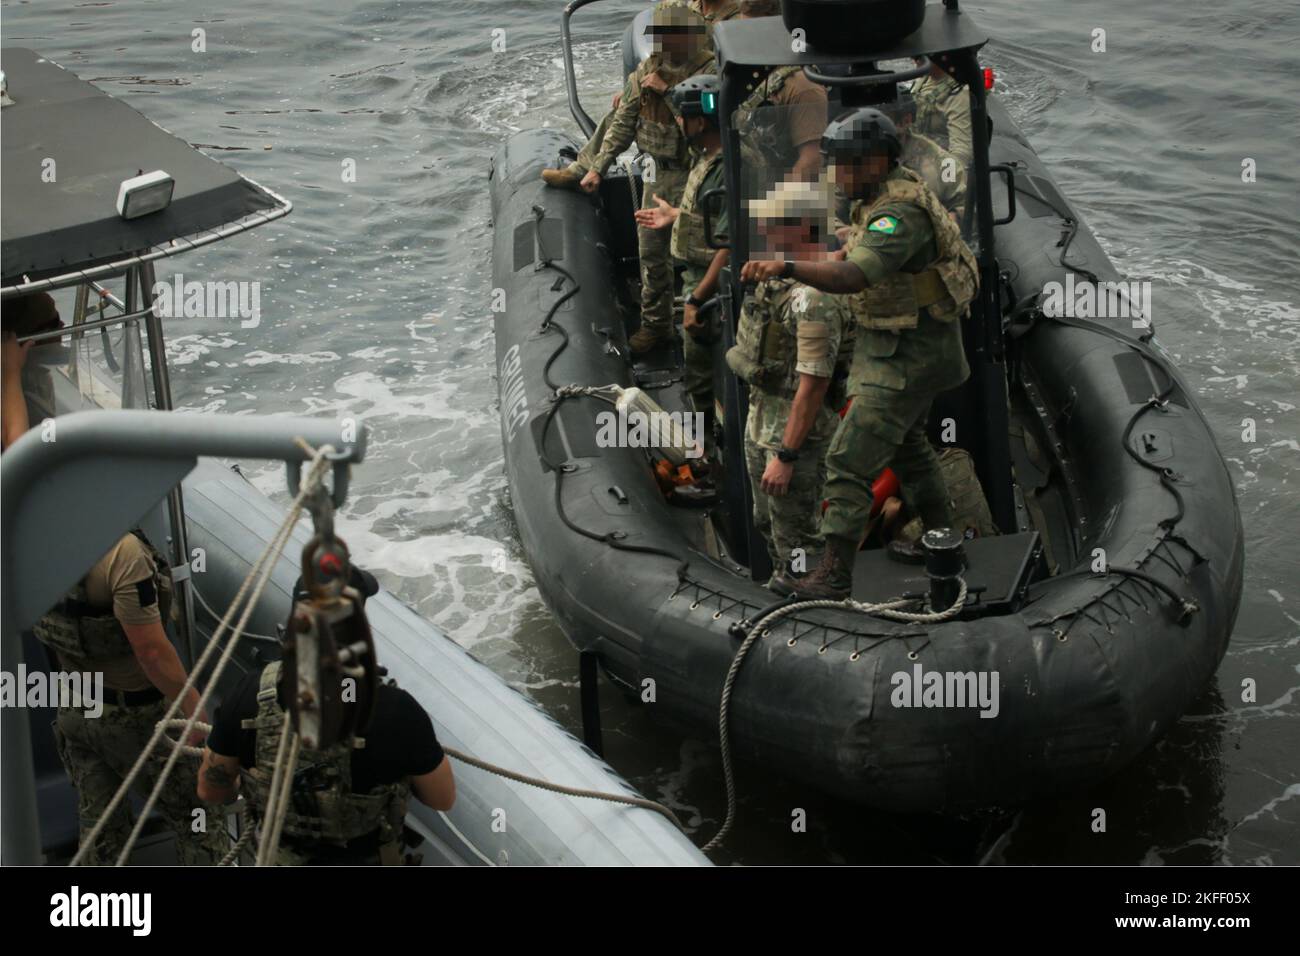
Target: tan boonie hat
<point x="792" y="199"/>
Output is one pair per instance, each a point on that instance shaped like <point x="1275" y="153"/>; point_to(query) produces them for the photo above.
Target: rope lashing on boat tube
<point x="561" y="393"/>
<point x="1183" y="607"/>
<point x="762" y="624"/>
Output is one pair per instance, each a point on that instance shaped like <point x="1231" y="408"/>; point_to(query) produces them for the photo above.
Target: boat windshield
<point x="99" y="368"/>
<point x="770" y="137"/>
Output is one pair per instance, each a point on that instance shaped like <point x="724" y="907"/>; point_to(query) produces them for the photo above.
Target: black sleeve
<point x="421" y="752"/>
<point x="227" y="737"/>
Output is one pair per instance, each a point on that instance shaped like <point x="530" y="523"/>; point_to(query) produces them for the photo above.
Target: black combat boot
<point x="906" y="552"/>
<point x="832" y="580"/>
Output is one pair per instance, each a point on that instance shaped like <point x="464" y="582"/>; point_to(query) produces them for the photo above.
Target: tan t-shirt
<point x="123" y="580"/>
<point x="806" y="108"/>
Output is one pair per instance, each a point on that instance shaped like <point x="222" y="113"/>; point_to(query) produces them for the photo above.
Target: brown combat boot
<point x="832" y="580"/>
<point x="647" y="338"/>
<point x="783" y="582"/>
<point x="567" y="178"/>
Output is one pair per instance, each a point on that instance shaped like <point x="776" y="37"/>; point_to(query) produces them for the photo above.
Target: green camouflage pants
<point x="788" y="522"/>
<point x="697" y="373"/>
<point x="883" y="428"/>
<point x="98" y="753"/>
<point x="587" y="155"/>
<point x="656" y="259"/>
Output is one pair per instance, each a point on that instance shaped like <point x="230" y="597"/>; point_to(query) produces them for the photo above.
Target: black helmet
<point x="697" y="96"/>
<point x="861" y="132"/>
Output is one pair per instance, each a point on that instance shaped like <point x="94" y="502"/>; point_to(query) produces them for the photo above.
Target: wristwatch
<point x="787" y="270"/>
<point x="694" y="302"/>
<point x="787" y="455"/>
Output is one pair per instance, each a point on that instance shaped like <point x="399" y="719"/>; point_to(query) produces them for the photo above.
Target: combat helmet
<point x="697" y="96"/>
<point x="861" y="132"/>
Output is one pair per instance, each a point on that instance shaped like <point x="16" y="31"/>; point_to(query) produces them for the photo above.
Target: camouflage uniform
<point x="971" y="515"/>
<point x="325" y="810"/>
<point x="726" y="10"/>
<point x="787" y="330"/>
<point x="689" y="247"/>
<point x="927" y="159"/>
<point x="99" y="752"/>
<point x="920" y="279"/>
<point x="645" y="116"/>
<point x="943" y="114"/>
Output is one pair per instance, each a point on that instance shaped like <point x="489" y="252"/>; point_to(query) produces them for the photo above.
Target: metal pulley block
<point x="329" y="654"/>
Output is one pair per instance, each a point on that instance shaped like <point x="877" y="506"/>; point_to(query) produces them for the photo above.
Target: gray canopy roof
<point x="51" y="229"/>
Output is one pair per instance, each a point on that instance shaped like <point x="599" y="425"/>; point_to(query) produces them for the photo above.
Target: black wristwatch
<point x="694" y="302"/>
<point x="787" y="270"/>
<point x="787" y="455"/>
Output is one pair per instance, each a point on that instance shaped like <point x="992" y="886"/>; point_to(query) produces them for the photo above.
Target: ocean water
<point x="375" y="304"/>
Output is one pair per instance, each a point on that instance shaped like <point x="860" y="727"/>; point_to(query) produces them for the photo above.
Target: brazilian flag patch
<point x="886" y="224"/>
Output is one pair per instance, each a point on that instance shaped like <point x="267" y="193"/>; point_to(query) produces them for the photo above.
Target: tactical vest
<point x="945" y="286"/>
<point x="766" y="348"/>
<point x="75" y="627"/>
<point x="688" y="241"/>
<point x="931" y="96"/>
<point x="323" y="807"/>
<point x="926" y="158"/>
<point x="656" y="126"/>
<point x="764" y="137"/>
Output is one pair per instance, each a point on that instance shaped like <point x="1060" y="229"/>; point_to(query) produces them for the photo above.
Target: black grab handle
<point x="870" y="79"/>
<point x="708" y="219"/>
<point x="1010" y="174"/>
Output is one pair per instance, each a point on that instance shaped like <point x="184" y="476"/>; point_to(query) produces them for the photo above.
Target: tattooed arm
<point x="218" y="778"/>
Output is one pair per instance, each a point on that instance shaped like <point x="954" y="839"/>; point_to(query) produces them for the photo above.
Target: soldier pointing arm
<point x="909" y="278"/>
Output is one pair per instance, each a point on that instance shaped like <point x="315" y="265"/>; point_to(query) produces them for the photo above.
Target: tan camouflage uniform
<point x="787" y="330"/>
<point x="939" y="169"/>
<point x="98" y="752"/>
<point x="943" y="114"/>
<point x="725" y="11"/>
<point x="645" y="117"/>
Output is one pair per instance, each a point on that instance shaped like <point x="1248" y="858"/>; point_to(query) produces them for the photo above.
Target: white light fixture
<point x="141" y="195"/>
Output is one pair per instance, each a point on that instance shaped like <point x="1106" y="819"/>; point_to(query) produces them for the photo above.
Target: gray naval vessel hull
<point x="494" y="821"/>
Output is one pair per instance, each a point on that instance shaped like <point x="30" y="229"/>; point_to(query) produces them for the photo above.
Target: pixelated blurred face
<point x="677" y="43"/>
<point x="793" y="238"/>
<point x="858" y="175"/>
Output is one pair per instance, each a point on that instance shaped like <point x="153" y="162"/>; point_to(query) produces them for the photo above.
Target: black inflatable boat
<point x="1088" y="626"/>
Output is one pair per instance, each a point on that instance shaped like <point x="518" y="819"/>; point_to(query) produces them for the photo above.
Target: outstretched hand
<point x="757" y="271"/>
<point x="661" y="216"/>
